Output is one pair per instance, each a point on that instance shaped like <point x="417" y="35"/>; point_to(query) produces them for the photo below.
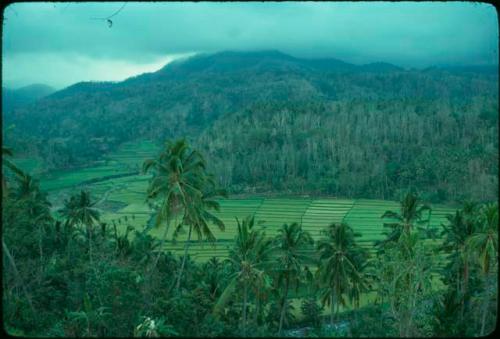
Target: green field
<point x="120" y="189"/>
<point x="30" y="165"/>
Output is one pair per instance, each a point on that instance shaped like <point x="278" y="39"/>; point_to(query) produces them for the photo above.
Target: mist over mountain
<point x="312" y="123"/>
<point x="250" y="169"/>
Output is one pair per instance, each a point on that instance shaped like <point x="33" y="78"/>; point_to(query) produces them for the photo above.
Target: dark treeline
<point x="73" y="275"/>
<point x="269" y="122"/>
<point x="359" y="149"/>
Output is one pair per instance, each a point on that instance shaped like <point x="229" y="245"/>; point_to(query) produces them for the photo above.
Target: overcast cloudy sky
<point x="62" y="43"/>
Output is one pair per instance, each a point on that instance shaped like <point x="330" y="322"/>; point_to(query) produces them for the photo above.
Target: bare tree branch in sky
<point x="108" y="18"/>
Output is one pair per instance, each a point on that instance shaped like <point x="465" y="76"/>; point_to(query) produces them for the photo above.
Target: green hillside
<point x="271" y="122"/>
<point x="121" y="191"/>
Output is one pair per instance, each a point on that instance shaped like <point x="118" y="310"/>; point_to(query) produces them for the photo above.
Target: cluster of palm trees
<point x="249" y="259"/>
<point x="26" y="196"/>
<point x="262" y="266"/>
<point x="79" y="210"/>
<point x="10" y="166"/>
<point x="402" y="269"/>
<point x="262" y="270"/>
<point x="405" y="263"/>
<point x="471" y="241"/>
<point x="342" y="267"/>
<point x="345" y="271"/>
<point x="184" y="192"/>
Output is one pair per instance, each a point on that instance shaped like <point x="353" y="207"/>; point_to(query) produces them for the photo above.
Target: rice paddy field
<point x="119" y="187"/>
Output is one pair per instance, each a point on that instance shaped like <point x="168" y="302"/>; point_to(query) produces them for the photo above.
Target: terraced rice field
<point x="126" y="162"/>
<point x="314" y="214"/>
<point x="120" y="191"/>
<point x="322" y="212"/>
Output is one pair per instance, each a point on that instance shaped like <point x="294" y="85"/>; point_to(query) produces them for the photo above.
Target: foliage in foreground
<point x="77" y="277"/>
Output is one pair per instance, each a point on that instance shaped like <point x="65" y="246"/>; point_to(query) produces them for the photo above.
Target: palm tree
<point x="213" y="276"/>
<point x="143" y="246"/>
<point x="484" y="243"/>
<point x="341" y="264"/>
<point x="178" y="179"/>
<point x="262" y="284"/>
<point x="29" y="198"/>
<point x="460" y="227"/>
<point x="410" y="213"/>
<point x="197" y="216"/>
<point x="18" y="276"/>
<point x="404" y="274"/>
<point x="79" y="210"/>
<point x="249" y="260"/>
<point x="276" y="308"/>
<point x="7" y="152"/>
<point x="290" y="242"/>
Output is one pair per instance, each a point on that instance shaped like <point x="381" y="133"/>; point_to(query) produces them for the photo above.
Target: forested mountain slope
<point x="271" y="122"/>
<point x="14" y="98"/>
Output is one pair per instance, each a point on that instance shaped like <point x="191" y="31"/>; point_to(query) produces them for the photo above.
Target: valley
<point x="230" y="169"/>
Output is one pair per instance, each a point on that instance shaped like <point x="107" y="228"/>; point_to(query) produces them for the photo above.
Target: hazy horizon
<point x="59" y="44"/>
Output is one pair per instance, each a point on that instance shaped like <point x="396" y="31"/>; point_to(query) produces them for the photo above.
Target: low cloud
<point x="66" y="39"/>
<point x="59" y="70"/>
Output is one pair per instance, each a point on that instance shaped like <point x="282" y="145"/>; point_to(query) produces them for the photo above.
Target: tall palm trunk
<point x="40" y="249"/>
<point x="88" y="324"/>
<point x="354" y="318"/>
<point x="485" y="313"/>
<point x="18" y="277"/>
<point x="186" y="247"/>
<point x="464" y="287"/>
<point x="406" y="312"/>
<point x="283" y="306"/>
<point x="410" y="316"/>
<point x="485" y="309"/>
<point x="69" y="246"/>
<point x="259" y="297"/>
<point x="163" y="238"/>
<point x="380" y="309"/>
<point x="332" y="303"/>
<point x="4" y="187"/>
<point x="401" y="328"/>
<point x="257" y="308"/>
<point x="116" y="236"/>
<point x="245" y="295"/>
<point x="459" y="290"/>
<point x="89" y="235"/>
<point x="337" y="308"/>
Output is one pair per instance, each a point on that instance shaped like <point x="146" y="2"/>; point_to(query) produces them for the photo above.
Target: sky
<point x="59" y="44"/>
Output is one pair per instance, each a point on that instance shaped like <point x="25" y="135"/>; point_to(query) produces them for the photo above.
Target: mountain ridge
<point x="19" y="97"/>
<point x="215" y="62"/>
<point x="268" y="121"/>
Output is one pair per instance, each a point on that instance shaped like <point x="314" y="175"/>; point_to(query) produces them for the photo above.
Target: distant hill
<point x="15" y="98"/>
<point x="268" y="121"/>
<point x="260" y="61"/>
